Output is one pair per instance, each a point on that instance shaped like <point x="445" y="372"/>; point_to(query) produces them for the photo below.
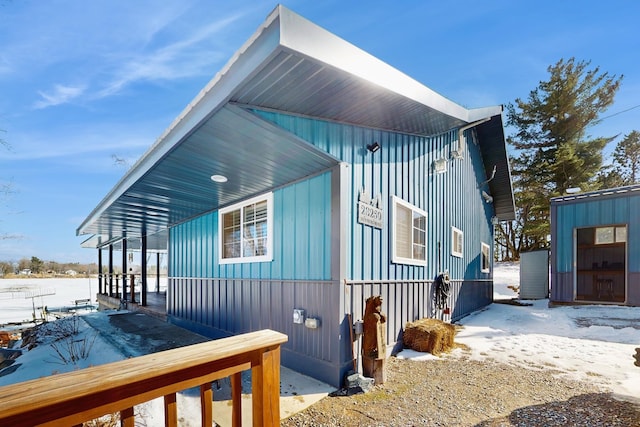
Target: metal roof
<point x="289" y="65"/>
<point x="626" y="191"/>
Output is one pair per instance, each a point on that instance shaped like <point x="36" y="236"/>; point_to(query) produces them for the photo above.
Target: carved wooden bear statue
<point x="374" y="345"/>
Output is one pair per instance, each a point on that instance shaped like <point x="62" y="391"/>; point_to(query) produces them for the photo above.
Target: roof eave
<point x="258" y="49"/>
<point x="283" y="30"/>
<point x="493" y="147"/>
<point x="307" y="38"/>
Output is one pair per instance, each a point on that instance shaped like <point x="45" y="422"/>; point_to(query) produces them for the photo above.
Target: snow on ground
<point x="590" y="343"/>
<point x="16" y="304"/>
<point x="44" y="360"/>
<point x="506" y="278"/>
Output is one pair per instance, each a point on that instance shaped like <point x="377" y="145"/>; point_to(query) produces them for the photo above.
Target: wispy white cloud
<point x="192" y="55"/>
<point x="110" y="46"/>
<point x="60" y="94"/>
<point x="183" y="58"/>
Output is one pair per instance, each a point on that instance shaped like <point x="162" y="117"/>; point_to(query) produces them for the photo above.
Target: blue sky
<point x="87" y="86"/>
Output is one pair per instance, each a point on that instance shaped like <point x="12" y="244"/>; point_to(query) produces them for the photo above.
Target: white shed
<point x="534" y="275"/>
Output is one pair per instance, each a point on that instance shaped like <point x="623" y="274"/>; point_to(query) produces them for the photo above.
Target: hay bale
<point x="429" y="335"/>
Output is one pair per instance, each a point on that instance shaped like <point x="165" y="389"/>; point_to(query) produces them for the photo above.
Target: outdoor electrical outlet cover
<point x="298" y="316"/>
<point x="311" y="323"/>
<point x="359" y="327"/>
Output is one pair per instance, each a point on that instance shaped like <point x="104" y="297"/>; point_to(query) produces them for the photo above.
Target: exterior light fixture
<point x="439" y="165"/>
<point x="373" y="147"/>
<point x="218" y="178"/>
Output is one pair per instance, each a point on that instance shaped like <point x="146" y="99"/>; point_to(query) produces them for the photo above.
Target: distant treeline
<point x="37" y="267"/>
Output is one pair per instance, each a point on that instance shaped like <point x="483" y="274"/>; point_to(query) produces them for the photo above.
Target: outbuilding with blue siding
<point x="307" y="176"/>
<point x="595" y="247"/>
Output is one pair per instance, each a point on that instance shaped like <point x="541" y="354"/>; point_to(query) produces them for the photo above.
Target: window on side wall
<point x="608" y="235"/>
<point x="485" y="258"/>
<point x="457" y="242"/>
<point x="245" y="231"/>
<point x="408" y="233"/>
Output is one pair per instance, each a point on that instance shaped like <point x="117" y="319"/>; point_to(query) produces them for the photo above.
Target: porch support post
<point x="100" y="270"/>
<point x="124" y="270"/>
<point x="143" y="293"/>
<point x="110" y="270"/>
<point x="157" y="272"/>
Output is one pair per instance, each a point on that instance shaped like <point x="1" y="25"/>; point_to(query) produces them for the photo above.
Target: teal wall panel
<point x="403" y="167"/>
<point x="593" y="212"/>
<point x="235" y="298"/>
<point x="301" y="239"/>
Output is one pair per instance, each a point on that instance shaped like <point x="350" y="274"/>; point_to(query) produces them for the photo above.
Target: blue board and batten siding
<point x="604" y="208"/>
<point x="224" y="299"/>
<point x="304" y="273"/>
<point x="403" y="168"/>
<point x="301" y="239"/>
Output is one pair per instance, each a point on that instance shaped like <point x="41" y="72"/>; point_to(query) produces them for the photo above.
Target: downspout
<point x="459" y="152"/>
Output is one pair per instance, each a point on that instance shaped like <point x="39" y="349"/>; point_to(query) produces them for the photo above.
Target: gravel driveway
<point x="456" y="391"/>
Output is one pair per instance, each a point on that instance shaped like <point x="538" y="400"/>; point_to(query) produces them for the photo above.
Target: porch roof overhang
<point x="289" y="65"/>
<point x="494" y="155"/>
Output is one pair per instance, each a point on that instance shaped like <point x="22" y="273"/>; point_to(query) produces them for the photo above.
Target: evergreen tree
<point x="553" y="151"/>
<point x="627" y="158"/>
<point x="36" y="264"/>
<point x="610" y="177"/>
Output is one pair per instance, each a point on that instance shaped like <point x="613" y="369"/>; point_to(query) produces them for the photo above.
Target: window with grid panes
<point x="245" y="231"/>
<point x="409" y="233"/>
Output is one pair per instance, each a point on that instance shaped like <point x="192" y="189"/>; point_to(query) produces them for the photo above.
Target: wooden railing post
<point x="170" y="410"/>
<point x="127" y="418"/>
<point x="206" y="404"/>
<point x="236" y="399"/>
<point x="265" y="388"/>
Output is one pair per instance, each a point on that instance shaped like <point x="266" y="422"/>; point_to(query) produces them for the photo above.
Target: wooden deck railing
<point x="72" y="398"/>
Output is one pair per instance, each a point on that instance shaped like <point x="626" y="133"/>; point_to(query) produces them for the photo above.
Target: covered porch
<point x="136" y="286"/>
<point x="156" y="305"/>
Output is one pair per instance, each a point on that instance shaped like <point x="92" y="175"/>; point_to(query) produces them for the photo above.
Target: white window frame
<point x="484" y="246"/>
<point x="457" y="236"/>
<point x="610" y="234"/>
<point x="395" y="201"/>
<point x="269" y="240"/>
